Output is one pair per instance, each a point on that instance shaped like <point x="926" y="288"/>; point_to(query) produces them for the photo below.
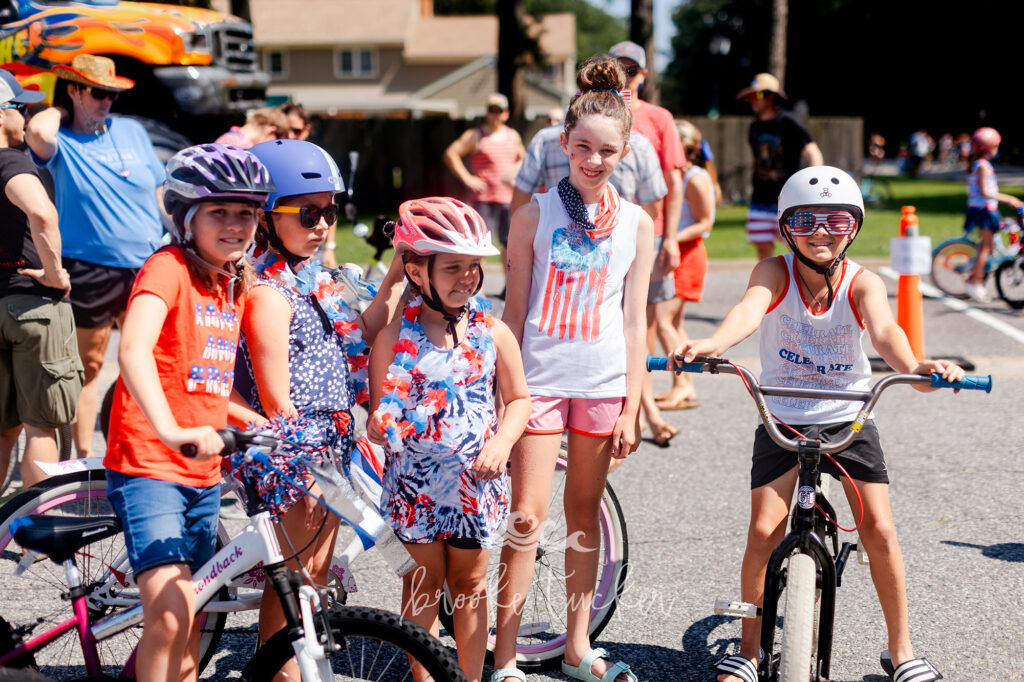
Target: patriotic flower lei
<point x="312" y="278"/>
<point x="405" y="412"/>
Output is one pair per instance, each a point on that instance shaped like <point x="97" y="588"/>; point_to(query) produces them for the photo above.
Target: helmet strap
<point x="827" y="270"/>
<point x="434" y="302"/>
<point x="277" y="244"/>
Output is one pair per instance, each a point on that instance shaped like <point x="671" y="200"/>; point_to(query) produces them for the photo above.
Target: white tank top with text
<point x="574" y="345"/>
<point x="807" y="350"/>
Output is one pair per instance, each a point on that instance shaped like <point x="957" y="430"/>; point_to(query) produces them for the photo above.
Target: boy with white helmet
<point x="797" y="300"/>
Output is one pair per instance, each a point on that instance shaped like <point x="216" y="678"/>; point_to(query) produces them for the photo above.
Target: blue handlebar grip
<point x="660" y="362"/>
<point x="975" y="382"/>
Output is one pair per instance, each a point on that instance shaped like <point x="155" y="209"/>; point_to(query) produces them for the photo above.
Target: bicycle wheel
<point x="952" y="264"/>
<point x="104" y="566"/>
<point x="797" y="656"/>
<point x="1010" y="282"/>
<point x="12" y="473"/>
<point x="541" y="641"/>
<point x="375" y="645"/>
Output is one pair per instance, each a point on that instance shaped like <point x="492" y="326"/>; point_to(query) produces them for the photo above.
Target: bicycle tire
<point x="64" y="444"/>
<point x="952" y="263"/>
<point x="375" y="645"/>
<point x="797" y="656"/>
<point x="80" y="493"/>
<point x="1010" y="282"/>
<point x="541" y="643"/>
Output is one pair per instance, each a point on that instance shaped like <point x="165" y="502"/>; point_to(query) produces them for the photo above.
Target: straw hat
<point x="88" y="69"/>
<point x="763" y="82"/>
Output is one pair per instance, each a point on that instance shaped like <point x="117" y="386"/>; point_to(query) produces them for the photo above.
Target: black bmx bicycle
<point x="808" y="564"/>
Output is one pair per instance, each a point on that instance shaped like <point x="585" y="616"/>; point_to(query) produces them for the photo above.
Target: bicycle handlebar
<point x="233" y="442"/>
<point x="758" y="392"/>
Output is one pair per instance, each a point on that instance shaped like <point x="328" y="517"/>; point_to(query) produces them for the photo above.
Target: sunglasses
<point x="297" y="131"/>
<point x="631" y="71"/>
<point x="20" y="108"/>
<point x="836" y="223"/>
<point x="309" y="216"/>
<point x="101" y="94"/>
<point x="495" y="110"/>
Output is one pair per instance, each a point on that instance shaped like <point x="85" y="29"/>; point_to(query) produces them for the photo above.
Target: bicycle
<point x="953" y="261"/>
<point x="351" y="641"/>
<point x="812" y="571"/>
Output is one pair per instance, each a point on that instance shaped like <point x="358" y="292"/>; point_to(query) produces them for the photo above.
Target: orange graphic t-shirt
<point x="195" y="359"/>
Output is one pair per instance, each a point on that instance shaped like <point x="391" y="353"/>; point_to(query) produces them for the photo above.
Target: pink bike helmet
<point x="442" y="225"/>
<point x="985" y="139"/>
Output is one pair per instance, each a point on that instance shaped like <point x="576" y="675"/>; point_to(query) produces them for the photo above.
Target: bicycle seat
<point x="60" y="537"/>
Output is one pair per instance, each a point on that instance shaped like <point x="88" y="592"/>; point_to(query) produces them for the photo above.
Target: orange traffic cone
<point x="909" y="305"/>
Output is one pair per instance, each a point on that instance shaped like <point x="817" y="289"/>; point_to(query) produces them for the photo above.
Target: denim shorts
<point x="164" y="522"/>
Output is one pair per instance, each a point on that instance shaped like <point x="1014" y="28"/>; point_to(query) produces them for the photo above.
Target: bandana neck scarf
<point x="607" y="210"/>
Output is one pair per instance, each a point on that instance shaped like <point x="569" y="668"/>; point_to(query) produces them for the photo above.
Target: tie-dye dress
<point x="437" y="410"/>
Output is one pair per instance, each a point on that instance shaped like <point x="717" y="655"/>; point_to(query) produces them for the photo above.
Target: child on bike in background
<point x="432" y="374"/>
<point x="579" y="264"/>
<point x="298" y="338"/>
<point x="171" y="393"/>
<point x="983" y="198"/>
<point x="812" y="307"/>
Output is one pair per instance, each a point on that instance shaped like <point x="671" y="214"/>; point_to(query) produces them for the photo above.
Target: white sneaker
<point x="976" y="292"/>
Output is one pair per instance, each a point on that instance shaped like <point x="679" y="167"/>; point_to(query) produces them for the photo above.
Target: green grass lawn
<point x="940" y="209"/>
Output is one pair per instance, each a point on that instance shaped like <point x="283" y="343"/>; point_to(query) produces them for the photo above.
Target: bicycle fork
<point x="804" y="540"/>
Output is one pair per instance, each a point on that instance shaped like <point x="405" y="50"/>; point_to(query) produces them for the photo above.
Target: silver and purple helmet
<point x="214" y="171"/>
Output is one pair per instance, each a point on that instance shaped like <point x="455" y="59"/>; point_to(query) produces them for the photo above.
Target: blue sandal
<point x="584" y="673"/>
<point x="500" y="674"/>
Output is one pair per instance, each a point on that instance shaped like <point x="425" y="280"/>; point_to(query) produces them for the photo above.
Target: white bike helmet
<point x="824" y="187"/>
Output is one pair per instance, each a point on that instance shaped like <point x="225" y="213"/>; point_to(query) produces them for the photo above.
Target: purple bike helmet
<point x="298" y="167"/>
<point x="213" y="171"/>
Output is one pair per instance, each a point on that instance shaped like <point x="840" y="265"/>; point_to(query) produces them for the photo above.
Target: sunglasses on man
<point x="20" y="108"/>
<point x="309" y="216"/>
<point x="836" y="223"/>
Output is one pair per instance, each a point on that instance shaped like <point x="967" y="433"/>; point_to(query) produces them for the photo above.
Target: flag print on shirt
<point x="214" y="373"/>
<point x="573" y="292"/>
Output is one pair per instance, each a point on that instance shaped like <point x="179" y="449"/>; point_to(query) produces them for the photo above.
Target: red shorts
<point x="585" y="416"/>
<point x="692" y="270"/>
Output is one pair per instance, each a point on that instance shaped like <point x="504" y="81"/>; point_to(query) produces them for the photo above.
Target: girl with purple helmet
<point x="171" y="392"/>
<point x="304" y="375"/>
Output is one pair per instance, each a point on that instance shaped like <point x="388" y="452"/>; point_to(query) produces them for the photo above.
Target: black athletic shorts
<point x="99" y="293"/>
<point x="863" y="460"/>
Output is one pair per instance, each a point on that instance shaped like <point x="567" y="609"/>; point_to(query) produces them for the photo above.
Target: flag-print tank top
<point x="808" y="350"/>
<point x="574" y="345"/>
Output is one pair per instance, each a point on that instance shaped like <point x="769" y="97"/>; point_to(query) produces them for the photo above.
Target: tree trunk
<point x="777" y="51"/>
<point x="511" y="42"/>
<point x="240" y="8"/>
<point x="641" y="32"/>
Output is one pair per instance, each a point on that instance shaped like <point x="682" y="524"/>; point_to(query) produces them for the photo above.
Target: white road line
<point x="962" y="307"/>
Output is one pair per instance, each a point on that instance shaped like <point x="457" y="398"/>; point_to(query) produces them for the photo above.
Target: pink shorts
<point x="585" y="416"/>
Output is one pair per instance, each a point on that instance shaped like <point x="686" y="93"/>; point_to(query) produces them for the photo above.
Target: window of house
<point x="275" y="62"/>
<point x="358" y="62"/>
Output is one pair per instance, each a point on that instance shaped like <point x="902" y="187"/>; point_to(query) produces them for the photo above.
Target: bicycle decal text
<point x="805" y="498"/>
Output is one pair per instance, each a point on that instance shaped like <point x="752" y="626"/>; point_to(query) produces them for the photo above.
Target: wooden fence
<point x="402" y="158"/>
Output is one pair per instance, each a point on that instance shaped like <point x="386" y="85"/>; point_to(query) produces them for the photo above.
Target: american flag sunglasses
<point x="836" y="223"/>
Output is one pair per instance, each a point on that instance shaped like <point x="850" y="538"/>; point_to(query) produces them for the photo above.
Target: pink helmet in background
<point x="442" y="225"/>
<point x="985" y="139"/>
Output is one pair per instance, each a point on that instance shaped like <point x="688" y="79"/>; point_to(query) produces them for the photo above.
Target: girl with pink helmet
<point x="432" y="377"/>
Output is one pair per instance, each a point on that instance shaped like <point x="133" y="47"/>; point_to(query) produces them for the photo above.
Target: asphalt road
<point x="953" y="497"/>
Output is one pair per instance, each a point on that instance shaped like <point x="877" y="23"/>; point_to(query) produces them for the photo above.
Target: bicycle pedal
<point x="740" y="609"/>
<point x="862" y="555"/>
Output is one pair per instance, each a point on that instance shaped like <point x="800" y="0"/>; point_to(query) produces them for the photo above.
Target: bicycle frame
<point x="804" y="537"/>
<point x="255" y="546"/>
